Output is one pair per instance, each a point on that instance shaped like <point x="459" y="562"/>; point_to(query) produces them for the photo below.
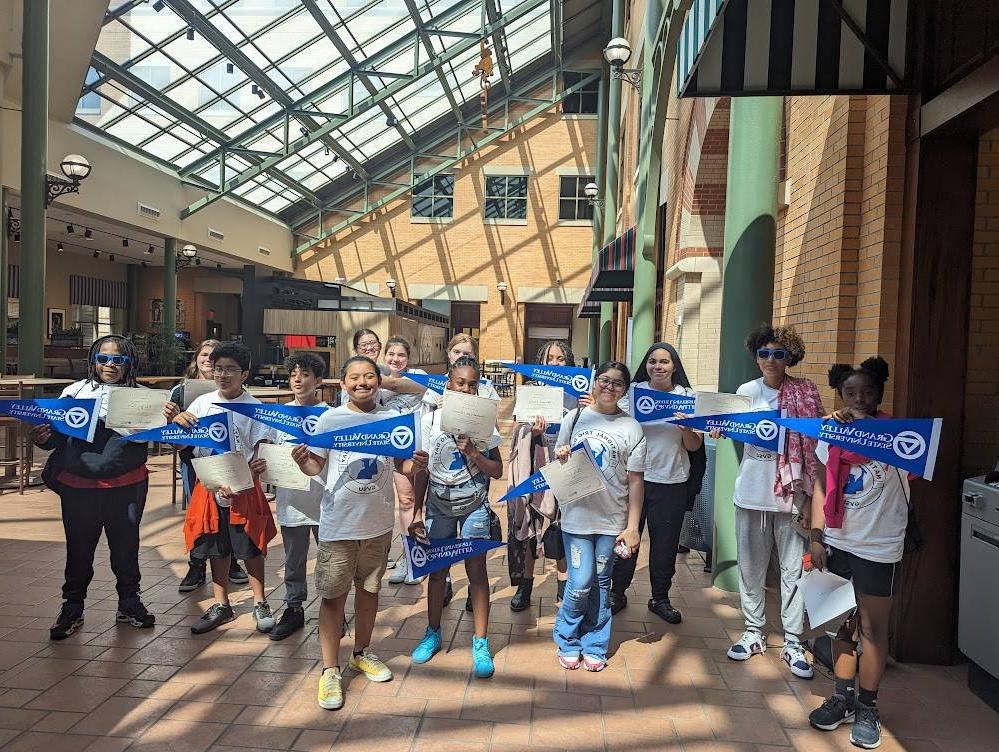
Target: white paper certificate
<point x="135" y="408"/>
<point x="720" y="403"/>
<point x="468" y="414"/>
<point x="194" y="388"/>
<point x="577" y="478"/>
<point x="282" y="471"/>
<point x="827" y="596"/>
<point x="539" y="402"/>
<point x="229" y="469"/>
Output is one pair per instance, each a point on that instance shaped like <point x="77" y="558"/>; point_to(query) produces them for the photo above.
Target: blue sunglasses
<point x="765" y="352"/>
<point x="116" y="360"/>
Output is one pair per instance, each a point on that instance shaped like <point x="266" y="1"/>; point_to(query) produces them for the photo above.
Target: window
<point x="97" y="321"/>
<point x="572" y="202"/>
<point x="506" y="197"/>
<point x="584" y="100"/>
<point x="90" y="103"/>
<point x="434" y="197"/>
<point x="220" y="80"/>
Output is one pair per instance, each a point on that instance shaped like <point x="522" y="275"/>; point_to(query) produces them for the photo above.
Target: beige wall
<point x="469" y="252"/>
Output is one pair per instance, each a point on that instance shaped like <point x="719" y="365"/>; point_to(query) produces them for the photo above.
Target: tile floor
<point x="111" y="688"/>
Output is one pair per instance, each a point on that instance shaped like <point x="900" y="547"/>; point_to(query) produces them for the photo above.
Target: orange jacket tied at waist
<point x="247" y="508"/>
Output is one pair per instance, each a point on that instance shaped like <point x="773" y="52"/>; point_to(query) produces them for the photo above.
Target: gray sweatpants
<point x="755" y="534"/>
<point x="296" y="559"/>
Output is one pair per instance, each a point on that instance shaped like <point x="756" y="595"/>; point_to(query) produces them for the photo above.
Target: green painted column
<point x="34" y="145"/>
<point x="593" y="341"/>
<point x="4" y="292"/>
<point x="643" y="330"/>
<point x="169" y="304"/>
<point x="747" y="287"/>
<point x="609" y="194"/>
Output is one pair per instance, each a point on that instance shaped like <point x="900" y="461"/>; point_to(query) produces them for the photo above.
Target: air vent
<point x="263" y="251"/>
<point x="216" y="234"/>
<point x="150" y="212"/>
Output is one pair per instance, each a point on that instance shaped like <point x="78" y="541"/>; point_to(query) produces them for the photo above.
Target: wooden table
<point x="35" y="381"/>
<point x="270" y="393"/>
<point x="156" y="381"/>
<point x="30" y="384"/>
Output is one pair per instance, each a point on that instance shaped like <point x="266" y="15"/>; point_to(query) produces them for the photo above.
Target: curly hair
<point x="785" y="336"/>
<point x="305" y="361"/>
<point x="570" y="358"/>
<point x="875" y="369"/>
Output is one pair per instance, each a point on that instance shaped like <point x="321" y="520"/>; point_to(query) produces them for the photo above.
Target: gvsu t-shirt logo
<point x="604" y="449"/>
<point x="865" y="485"/>
<point x="448" y="465"/>
<point x="362" y="474"/>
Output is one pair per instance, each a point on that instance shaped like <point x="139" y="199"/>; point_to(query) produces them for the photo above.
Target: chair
<point x="18" y="451"/>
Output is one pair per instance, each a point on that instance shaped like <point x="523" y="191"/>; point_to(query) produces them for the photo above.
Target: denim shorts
<point x="475" y="524"/>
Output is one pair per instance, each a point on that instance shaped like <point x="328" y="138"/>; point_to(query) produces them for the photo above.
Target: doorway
<point x="544" y="322"/>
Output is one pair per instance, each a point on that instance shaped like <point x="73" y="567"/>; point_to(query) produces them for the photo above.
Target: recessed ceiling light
<point x="89" y="234"/>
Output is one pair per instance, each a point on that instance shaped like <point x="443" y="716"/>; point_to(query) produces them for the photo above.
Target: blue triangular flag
<point x="424" y="559"/>
<point x="67" y="415"/>
<point x="760" y="428"/>
<point x="433" y="382"/>
<point x="575" y="381"/>
<point x="649" y="405"/>
<point x="213" y="432"/>
<point x="391" y="437"/>
<point x="532" y="484"/>
<point x="299" y="421"/>
<point x="909" y="444"/>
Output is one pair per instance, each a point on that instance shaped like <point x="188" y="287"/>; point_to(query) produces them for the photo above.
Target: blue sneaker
<point x="482" y="659"/>
<point x="428" y="647"/>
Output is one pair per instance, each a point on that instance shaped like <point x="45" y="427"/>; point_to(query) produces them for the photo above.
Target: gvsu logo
<point x="310" y="423"/>
<point x="908" y="445"/>
<point x="77" y="417"/>
<point x="401" y="437"/>
<point x="580" y="383"/>
<point x="419" y="556"/>
<point x="218" y="432"/>
<point x="645" y="404"/>
<point x="767" y="430"/>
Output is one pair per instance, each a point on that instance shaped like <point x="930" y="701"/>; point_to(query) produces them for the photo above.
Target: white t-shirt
<point x="403" y="402"/>
<point x="754" y="486"/>
<point x="665" y="454"/>
<point x="297" y="508"/>
<point x="618" y="443"/>
<point x="358" y="502"/>
<point x="447" y="465"/>
<point x="247" y="433"/>
<point x="877" y="511"/>
<point x="87" y="389"/>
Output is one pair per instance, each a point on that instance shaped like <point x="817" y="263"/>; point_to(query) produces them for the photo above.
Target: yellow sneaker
<point x="330" y="690"/>
<point x="369" y="664"/>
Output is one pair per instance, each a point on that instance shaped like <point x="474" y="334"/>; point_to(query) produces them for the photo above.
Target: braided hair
<point x="465" y="361"/>
<point x="875" y="369"/>
<point x="126" y="348"/>
<point x="570" y="358"/>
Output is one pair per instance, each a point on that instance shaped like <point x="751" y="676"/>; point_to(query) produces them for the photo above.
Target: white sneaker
<point x="399" y="572"/>
<point x="750" y="644"/>
<point x="794" y="656"/>
<point x="416" y="580"/>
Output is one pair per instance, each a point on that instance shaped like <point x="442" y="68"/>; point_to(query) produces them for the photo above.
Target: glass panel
<point x="516" y="208"/>
<point x="422" y="206"/>
<point x="495" y="186"/>
<point x="90" y="103"/>
<point x="494" y="208"/>
<point x="424" y="188"/>
<point x="566" y="209"/>
<point x="444" y="184"/>
<point x="516" y="187"/>
<point x="443" y="207"/>
<point x="567" y="187"/>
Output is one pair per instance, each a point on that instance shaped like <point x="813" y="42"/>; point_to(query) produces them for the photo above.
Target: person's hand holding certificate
<point x="539" y="402"/>
<point x="468" y="415"/>
<point x="134" y="408"/>
<point x="282" y="469"/>
<point x="224" y="471"/>
<point x="574" y="478"/>
<point x="720" y="403"/>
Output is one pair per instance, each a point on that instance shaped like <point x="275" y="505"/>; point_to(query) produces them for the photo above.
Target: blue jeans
<point x="475" y="524"/>
<point x="583" y="623"/>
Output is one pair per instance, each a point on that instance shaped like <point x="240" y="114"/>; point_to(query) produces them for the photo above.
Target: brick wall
<point x="981" y="417"/>
<point x="543" y="253"/>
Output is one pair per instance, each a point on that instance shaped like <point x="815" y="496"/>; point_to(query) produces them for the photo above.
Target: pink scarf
<point x="837" y="473"/>
<point x="796" y="465"/>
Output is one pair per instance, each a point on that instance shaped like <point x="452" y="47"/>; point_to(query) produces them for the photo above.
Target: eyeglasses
<point x="216" y="371"/>
<point x="610" y="384"/>
<point x="117" y="360"/>
<point x="765" y="352"/>
<point x="368" y="346"/>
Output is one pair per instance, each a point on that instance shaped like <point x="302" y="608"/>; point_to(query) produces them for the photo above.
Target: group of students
<point x="850" y="513"/>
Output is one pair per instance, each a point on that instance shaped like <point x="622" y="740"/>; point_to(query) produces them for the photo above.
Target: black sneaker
<point x="69" y="620"/>
<point x="448" y="592"/>
<point x="560" y="591"/>
<point x="214" y="618"/>
<point x="292" y="620"/>
<point x="134" y="613"/>
<point x="665" y="611"/>
<point x="194" y="578"/>
<point x="866" y="732"/>
<point x="237" y="576"/>
<point x="468" y="603"/>
<point x="521" y="600"/>
<point x="833" y="712"/>
<point x="617" y="601"/>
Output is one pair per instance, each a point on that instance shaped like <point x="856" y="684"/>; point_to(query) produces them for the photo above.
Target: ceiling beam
<point x="499" y="46"/>
<point x="428" y="45"/>
<point x="358" y="109"/>
<point x="348" y="57"/>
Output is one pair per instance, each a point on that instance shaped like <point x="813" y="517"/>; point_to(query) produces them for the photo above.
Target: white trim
<point x="574" y="172"/>
<point x="461" y="293"/>
<point x="574" y="222"/>
<point x="431" y="220"/>
<point x="580" y="116"/>
<point x="693" y="265"/>
<point x="507" y="170"/>
<point x="557" y="295"/>
<point x="504" y="221"/>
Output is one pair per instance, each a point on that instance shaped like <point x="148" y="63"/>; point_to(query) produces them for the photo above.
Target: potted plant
<point x="72" y="337"/>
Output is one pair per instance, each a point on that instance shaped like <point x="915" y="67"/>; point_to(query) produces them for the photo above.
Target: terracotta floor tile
<point x="449" y="746"/>
<point x="375" y="703"/>
<point x="36" y="741"/>
<point x="16" y="698"/>
<point x="122" y="716"/>
<point x="315" y="741"/>
<point x="273" y="737"/>
<point x="566" y="701"/>
<point x="444" y="729"/>
<point x="169" y="735"/>
<point x="39" y="673"/>
<point x="58" y="721"/>
<point x="12" y="653"/>
<point x="633" y="743"/>
<point x="203" y="711"/>
<point x="485" y="703"/>
<point x="507" y="734"/>
<point x="564" y="728"/>
<point x="77" y="693"/>
<point x="20" y="719"/>
<point x="377" y="732"/>
<point x="744" y="725"/>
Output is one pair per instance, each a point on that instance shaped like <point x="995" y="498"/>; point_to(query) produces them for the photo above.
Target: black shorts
<point x="869" y="577"/>
<point x="230" y="540"/>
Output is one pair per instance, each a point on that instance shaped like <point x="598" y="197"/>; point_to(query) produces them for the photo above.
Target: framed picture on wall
<point x="57" y="320"/>
<point x="156" y="313"/>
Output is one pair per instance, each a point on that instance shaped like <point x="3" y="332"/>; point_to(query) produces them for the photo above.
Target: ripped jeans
<point x="583" y="622"/>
